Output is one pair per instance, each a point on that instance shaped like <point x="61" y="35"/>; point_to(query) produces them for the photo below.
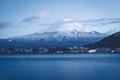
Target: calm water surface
<point x="60" y="67"/>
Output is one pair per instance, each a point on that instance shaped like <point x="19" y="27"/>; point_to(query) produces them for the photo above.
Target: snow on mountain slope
<point x="60" y="34"/>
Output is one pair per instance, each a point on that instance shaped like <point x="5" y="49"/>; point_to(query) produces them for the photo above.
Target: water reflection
<point x="60" y="67"/>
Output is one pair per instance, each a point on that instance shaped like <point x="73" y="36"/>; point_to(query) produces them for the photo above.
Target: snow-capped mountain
<point x="58" y="34"/>
<point x="67" y="29"/>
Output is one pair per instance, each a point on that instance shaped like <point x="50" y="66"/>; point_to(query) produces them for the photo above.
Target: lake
<point x="60" y="67"/>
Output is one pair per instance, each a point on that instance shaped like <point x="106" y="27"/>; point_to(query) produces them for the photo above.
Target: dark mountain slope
<point x="112" y="41"/>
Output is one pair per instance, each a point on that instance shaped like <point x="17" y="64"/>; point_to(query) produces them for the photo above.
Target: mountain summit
<point x="67" y="26"/>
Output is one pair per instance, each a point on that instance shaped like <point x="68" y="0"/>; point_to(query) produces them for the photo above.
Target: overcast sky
<point x="20" y="17"/>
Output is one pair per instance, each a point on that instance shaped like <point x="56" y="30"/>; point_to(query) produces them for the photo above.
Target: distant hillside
<point x="112" y="41"/>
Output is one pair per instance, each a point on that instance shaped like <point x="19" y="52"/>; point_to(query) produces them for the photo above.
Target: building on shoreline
<point x="59" y="50"/>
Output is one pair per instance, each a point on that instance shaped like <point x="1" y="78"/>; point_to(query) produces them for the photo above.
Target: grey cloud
<point x="92" y="22"/>
<point x="104" y="21"/>
<point x="35" y="18"/>
<point x="31" y="19"/>
<point x="5" y="24"/>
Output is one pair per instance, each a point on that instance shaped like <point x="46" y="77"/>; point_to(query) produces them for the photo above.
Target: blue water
<point x="60" y="67"/>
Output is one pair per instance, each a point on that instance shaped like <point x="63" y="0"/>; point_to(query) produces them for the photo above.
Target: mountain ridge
<point x="52" y="39"/>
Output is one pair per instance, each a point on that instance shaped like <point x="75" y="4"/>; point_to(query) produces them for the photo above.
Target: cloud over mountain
<point x="102" y="21"/>
<point x="103" y="25"/>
